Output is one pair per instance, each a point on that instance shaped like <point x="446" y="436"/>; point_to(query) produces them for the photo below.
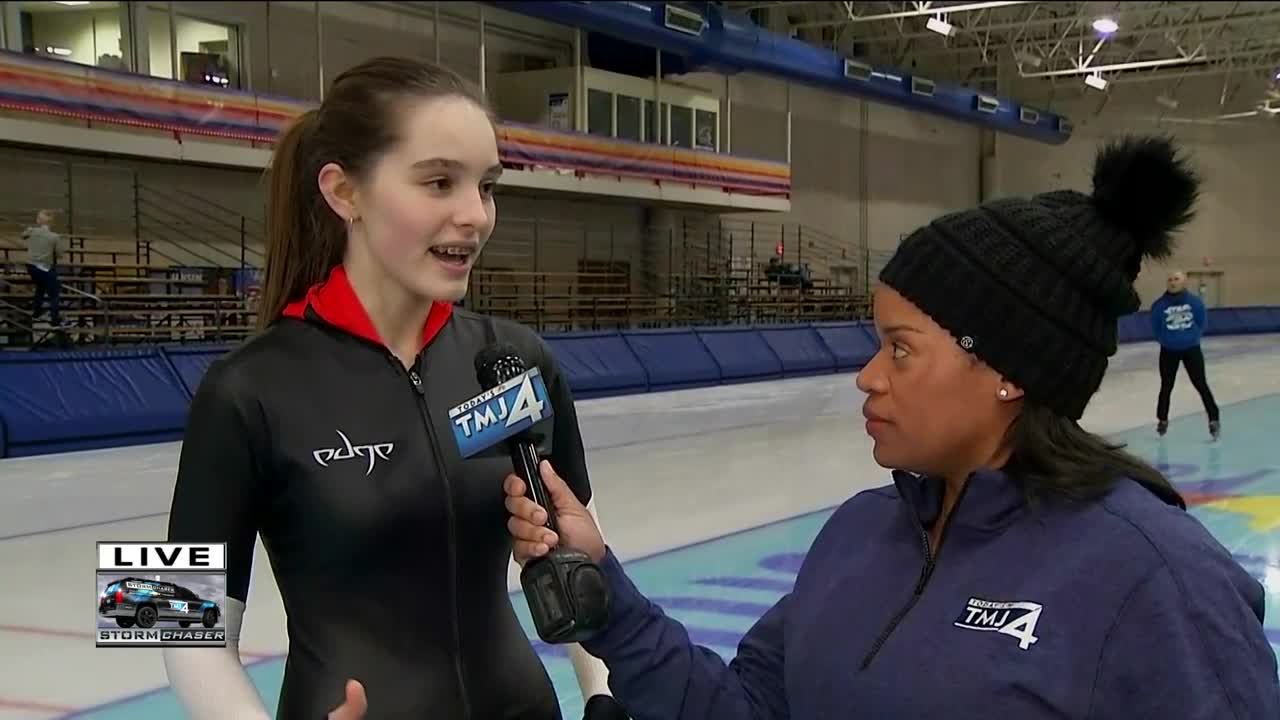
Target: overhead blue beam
<point x="726" y="42"/>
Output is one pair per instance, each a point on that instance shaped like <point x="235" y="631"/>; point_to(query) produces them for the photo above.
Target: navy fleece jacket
<point x="1124" y="608"/>
<point x="1178" y="320"/>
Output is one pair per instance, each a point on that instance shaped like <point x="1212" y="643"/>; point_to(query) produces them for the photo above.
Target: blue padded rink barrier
<point x="713" y="470"/>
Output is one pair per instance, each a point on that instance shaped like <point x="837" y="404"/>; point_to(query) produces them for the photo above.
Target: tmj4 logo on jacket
<point x="1017" y="619"/>
<point x="347" y="451"/>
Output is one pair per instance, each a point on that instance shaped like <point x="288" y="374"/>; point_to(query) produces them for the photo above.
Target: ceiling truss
<point x="988" y="45"/>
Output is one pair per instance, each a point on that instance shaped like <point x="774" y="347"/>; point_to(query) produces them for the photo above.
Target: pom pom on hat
<point x="1142" y="187"/>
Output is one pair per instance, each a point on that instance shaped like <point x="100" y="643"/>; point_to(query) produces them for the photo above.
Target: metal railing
<point x="565" y="312"/>
<point x="551" y="273"/>
<point x="181" y="220"/>
<point x="185" y="227"/>
<point x="166" y="224"/>
<point x="88" y="318"/>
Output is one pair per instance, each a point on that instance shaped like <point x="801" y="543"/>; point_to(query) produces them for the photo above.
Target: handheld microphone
<point x="567" y="593"/>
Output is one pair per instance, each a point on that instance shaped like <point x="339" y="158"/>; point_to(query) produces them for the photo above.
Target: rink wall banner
<point x="598" y="363"/>
<point x="77" y="400"/>
<point x="800" y="348"/>
<point x="673" y="358"/>
<point x="58" y="89"/>
<point x="80" y="92"/>
<point x="740" y="353"/>
<point x="542" y="147"/>
<point x="191" y="361"/>
<point x="851" y="344"/>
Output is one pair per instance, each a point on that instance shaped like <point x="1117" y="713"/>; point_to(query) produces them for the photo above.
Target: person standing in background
<point x="42" y="257"/>
<point x="1178" y="319"/>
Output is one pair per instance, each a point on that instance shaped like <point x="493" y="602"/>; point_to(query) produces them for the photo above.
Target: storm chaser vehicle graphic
<point x="135" y="601"/>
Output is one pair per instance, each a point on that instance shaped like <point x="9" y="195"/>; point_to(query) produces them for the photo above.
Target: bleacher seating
<point x="150" y="282"/>
<point x="60" y="401"/>
<point x="116" y="291"/>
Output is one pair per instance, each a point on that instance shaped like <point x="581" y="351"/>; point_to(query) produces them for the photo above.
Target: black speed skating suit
<point x="390" y="550"/>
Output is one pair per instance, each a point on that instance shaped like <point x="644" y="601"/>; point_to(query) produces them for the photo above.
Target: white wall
<point x="863" y="173"/>
<point x="1236" y="228"/>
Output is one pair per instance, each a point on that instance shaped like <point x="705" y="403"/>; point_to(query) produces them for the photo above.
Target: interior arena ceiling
<point x="1158" y="50"/>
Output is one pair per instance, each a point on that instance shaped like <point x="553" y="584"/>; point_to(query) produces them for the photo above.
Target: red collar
<point x="336" y="303"/>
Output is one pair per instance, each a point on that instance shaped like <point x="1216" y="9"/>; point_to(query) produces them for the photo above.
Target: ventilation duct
<point x="730" y="43"/>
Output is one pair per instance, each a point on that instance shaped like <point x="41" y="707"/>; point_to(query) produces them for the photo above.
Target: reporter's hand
<point x="354" y="706"/>
<point x="527" y="522"/>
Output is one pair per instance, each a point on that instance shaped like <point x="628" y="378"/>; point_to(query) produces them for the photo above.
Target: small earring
<point x="1004" y="393"/>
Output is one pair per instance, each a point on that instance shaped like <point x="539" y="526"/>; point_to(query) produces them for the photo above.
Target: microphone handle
<point x="524" y="457"/>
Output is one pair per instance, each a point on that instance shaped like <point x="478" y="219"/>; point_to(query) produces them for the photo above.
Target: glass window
<point x="681" y="126"/>
<point x="208" y="53"/>
<point x="599" y="112"/>
<point x="87" y="33"/>
<point x="628" y="118"/>
<point x="705" y="130"/>
<point x="658" y="137"/>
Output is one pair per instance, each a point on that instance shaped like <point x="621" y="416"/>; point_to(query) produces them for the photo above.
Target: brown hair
<point x="356" y="123"/>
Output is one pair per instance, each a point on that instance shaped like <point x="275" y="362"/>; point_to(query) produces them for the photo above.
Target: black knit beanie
<point x="1035" y="287"/>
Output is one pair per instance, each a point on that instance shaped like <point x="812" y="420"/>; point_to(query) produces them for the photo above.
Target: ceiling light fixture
<point x="1106" y="25"/>
<point x="940" y="26"/>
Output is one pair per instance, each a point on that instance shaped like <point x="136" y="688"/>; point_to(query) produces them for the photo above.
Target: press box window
<point x="652" y="135"/>
<point x="628" y="118"/>
<point x="88" y="34"/>
<point x="208" y="52"/>
<point x="681" y="126"/>
<point x="599" y="113"/>
<point x="705" y="129"/>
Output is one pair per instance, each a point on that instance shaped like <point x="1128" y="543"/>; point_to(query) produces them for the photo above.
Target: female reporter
<point x="328" y="434"/>
<point x="1018" y="566"/>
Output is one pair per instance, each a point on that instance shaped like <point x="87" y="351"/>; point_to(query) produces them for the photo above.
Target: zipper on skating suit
<point x="420" y="389"/>
<point x="930" y="562"/>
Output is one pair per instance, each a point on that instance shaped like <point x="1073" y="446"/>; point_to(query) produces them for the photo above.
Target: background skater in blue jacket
<point x="1178" y="320"/>
<point x="1018" y="566"/>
